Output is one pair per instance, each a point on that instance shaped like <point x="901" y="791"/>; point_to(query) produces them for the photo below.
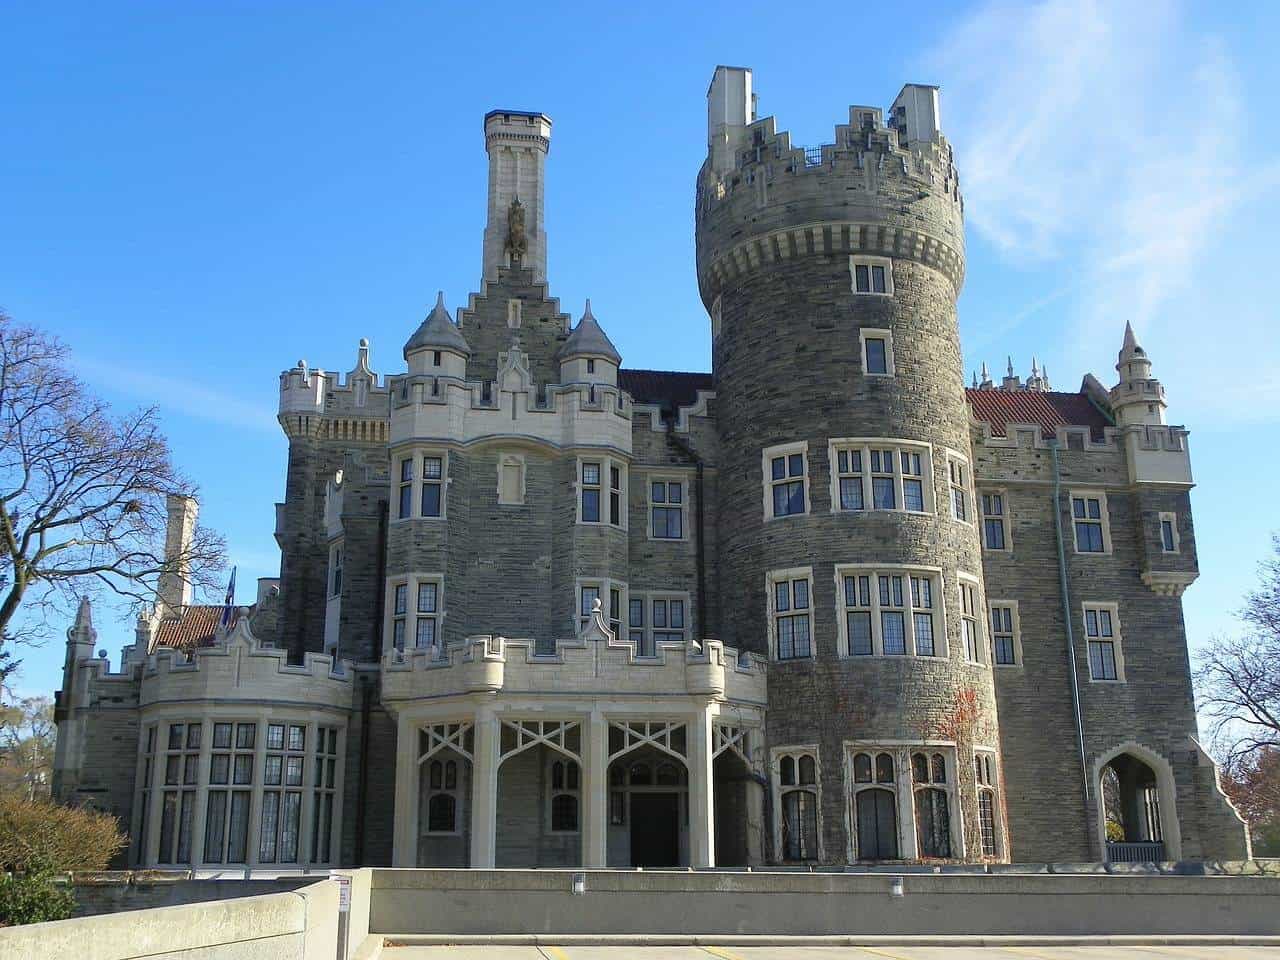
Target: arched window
<point x="641" y="775"/>
<point x="443" y="795"/>
<point x="668" y="775"/>
<point x="798" y="801"/>
<point x="876" y="812"/>
<point x="564" y="794"/>
<point x="862" y="768"/>
<point x="933" y="823"/>
<point x="932" y="805"/>
<point x="984" y="774"/>
<point x="884" y="768"/>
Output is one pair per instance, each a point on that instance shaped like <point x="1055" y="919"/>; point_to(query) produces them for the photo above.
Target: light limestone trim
<point x="1000" y="827"/>
<point x="965" y="486"/>
<point x="788" y="574"/>
<point x="607" y="464"/>
<point x="1016" y="623"/>
<point x="864" y="445"/>
<point x="784" y="450"/>
<point x="877" y="333"/>
<point x="1006" y="519"/>
<point x="1172" y="519"/>
<point x="685" y="488"/>
<point x="868" y="261"/>
<point x="512" y="461"/>
<point x="904" y="807"/>
<point x="983" y="640"/>
<point x="411" y="581"/>
<point x="955" y="808"/>
<point x="1090" y="493"/>
<point x="934" y="574"/>
<point x="1116" y="642"/>
<point x="775" y="779"/>
<point x="416" y="452"/>
<point x="1166" y="790"/>
<point x="605" y="585"/>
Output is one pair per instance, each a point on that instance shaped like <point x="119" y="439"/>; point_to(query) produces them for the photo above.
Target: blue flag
<point x="228" y="607"/>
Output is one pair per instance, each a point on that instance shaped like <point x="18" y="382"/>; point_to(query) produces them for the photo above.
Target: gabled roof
<point x="665" y="388"/>
<point x="1048" y="410"/>
<point x="191" y="630"/>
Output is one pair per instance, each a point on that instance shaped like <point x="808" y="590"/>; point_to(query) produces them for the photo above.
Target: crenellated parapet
<point x="240" y="667"/>
<point x="879" y="188"/>
<point x="442" y="409"/>
<point x="593" y="663"/>
<point x="327" y="405"/>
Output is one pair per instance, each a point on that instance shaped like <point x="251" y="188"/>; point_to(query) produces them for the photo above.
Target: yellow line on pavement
<point x="881" y="953"/>
<point x="1023" y="951"/>
<point x="722" y="953"/>
<point x="555" y="953"/>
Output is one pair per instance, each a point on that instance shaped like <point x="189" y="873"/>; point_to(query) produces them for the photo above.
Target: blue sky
<point x="195" y="196"/>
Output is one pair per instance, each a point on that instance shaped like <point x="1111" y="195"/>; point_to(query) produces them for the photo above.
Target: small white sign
<point x="344" y="893"/>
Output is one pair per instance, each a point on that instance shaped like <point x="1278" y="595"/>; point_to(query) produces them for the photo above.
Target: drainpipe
<point x="1071" y="643"/>
<point x="362" y="787"/>
<point x="700" y="555"/>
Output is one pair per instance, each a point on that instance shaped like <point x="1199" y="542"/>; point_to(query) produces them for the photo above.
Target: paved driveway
<point x="493" y="952"/>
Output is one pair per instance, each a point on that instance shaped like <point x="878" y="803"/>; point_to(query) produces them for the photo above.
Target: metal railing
<point x="813" y="155"/>
<point x="1147" y="851"/>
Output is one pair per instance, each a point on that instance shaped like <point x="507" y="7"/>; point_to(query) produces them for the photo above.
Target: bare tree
<point x="27" y="735"/>
<point x="1238" y="678"/>
<point x="82" y="491"/>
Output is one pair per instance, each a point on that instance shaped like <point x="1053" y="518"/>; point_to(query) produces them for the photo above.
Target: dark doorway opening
<point x="655" y="829"/>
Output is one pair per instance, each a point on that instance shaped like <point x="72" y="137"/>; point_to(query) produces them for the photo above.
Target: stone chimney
<point x="174" y="591"/>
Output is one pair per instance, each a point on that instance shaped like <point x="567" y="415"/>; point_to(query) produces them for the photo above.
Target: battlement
<point x="239" y="667"/>
<point x="361" y="391"/>
<point x="591" y="662"/>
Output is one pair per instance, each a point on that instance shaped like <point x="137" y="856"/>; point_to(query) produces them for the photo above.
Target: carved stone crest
<point x="517" y="244"/>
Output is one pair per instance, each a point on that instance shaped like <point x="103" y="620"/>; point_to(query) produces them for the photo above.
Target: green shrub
<point x="39" y="836"/>
<point x="33" y="897"/>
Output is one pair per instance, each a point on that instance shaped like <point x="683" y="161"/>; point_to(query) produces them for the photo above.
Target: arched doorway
<point x="444" y="794"/>
<point x="648" y="810"/>
<point x="540" y="802"/>
<point x="733" y="781"/>
<point x="1135" y="806"/>
<point x="875" y="806"/>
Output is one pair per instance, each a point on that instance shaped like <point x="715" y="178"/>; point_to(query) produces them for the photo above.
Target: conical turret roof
<point x="588" y="340"/>
<point x="438" y="332"/>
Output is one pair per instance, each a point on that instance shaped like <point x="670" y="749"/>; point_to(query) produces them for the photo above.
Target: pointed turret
<point x="1139" y="397"/>
<point x="1011" y="380"/>
<point x="588" y="356"/>
<point x="986" y="383"/>
<point x="1036" y="382"/>
<point x="438" y="346"/>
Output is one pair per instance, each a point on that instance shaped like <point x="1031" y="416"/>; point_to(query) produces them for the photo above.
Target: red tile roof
<point x="1048" y="410"/>
<point x="663" y="387"/>
<point x="193" y="629"/>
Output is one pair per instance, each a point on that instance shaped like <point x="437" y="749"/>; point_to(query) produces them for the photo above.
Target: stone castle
<point x="824" y="605"/>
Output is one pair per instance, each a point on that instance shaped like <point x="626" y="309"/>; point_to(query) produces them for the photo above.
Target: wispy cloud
<point x="185" y="395"/>
<point x="1111" y="144"/>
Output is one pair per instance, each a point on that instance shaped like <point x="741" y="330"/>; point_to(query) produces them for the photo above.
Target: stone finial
<point x="82" y="631"/>
<point x="986" y="383"/>
<point x="975" y="381"/>
<point x="1011" y="380"/>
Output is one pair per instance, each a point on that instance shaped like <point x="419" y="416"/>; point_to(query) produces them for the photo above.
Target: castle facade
<point x="824" y="605"/>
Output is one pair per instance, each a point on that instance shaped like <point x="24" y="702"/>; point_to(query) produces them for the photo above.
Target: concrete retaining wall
<point x="120" y="892"/>
<point x="298" y="925"/>
<point x="801" y="904"/>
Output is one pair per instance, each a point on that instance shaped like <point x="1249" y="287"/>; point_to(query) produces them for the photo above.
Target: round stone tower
<point x="849" y="535"/>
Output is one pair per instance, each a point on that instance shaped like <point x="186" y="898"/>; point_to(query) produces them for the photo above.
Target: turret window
<point x="790" y="613"/>
<point x="415" y="610"/>
<point x="786" y="485"/>
<point x="1169" y="532"/>
<point x="422" y="480"/>
<point x="984" y="768"/>
<point x="872" y="475"/>
<point x="873" y="275"/>
<point x="970" y="619"/>
<point x="593" y="475"/>
<point x="890" y="613"/>
<point x="1089" y="522"/>
<point x="335" y="570"/>
<point x="933" y="809"/>
<point x="877" y="352"/>
<point x="958" y="475"/>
